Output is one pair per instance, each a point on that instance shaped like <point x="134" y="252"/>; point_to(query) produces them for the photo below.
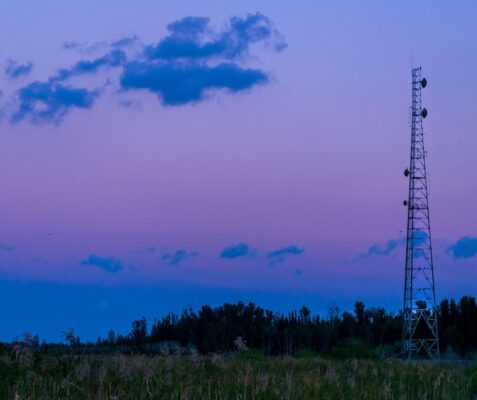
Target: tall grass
<point x="236" y="376"/>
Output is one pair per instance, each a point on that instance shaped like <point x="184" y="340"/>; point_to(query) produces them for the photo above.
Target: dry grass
<point x="238" y="377"/>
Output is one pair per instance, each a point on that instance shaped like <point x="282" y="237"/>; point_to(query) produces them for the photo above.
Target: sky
<point x="161" y="155"/>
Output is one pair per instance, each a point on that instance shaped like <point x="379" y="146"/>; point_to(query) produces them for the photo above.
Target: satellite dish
<point x="406" y="172"/>
<point x="424" y="113"/>
<point x="404" y="203"/>
<point x="424" y="82"/>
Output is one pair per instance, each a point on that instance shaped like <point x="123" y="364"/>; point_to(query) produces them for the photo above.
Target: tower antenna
<point x="420" y="335"/>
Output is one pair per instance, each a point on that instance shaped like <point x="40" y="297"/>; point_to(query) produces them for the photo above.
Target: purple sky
<point x="301" y="165"/>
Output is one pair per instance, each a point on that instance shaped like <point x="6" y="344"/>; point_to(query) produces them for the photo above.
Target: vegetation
<point x="239" y="351"/>
<point x="246" y="375"/>
<point x="363" y="333"/>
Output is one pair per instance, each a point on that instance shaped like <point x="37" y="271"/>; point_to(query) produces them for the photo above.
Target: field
<point x="25" y="375"/>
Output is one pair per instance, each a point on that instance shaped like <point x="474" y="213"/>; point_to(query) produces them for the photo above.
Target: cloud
<point x="108" y="264"/>
<point x="114" y="58"/>
<point x="391" y="245"/>
<point x="192" y="38"/>
<point x="128" y="103"/>
<point x="237" y="250"/>
<point x="48" y="102"/>
<point x="177" y="257"/>
<point x="386" y="250"/>
<point x="68" y="45"/>
<point x="298" y="272"/>
<point x="6" y="247"/>
<point x="83" y="47"/>
<point x="178" y="70"/>
<point x="144" y="251"/>
<point x="125" y="42"/>
<point x="182" y="68"/>
<point x="465" y="247"/>
<point x="2" y="112"/>
<point x="179" y="84"/>
<point x="278" y="255"/>
<point x="14" y="70"/>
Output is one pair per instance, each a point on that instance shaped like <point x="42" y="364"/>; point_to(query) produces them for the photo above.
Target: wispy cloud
<point x="6" y="247"/>
<point x="2" y="112"/>
<point x="83" y="47"/>
<point x="128" y="103"/>
<point x="114" y="58"/>
<point x="177" y="257"/>
<point x="391" y="245"/>
<point x="383" y="250"/>
<point x="151" y="249"/>
<point x="108" y="264"/>
<point x="465" y="247"/>
<point x="125" y="42"/>
<point x="237" y="250"/>
<point x="278" y="255"/>
<point x="14" y="70"/>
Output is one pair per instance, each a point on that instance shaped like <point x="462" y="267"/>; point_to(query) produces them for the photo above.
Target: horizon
<point x="163" y="156"/>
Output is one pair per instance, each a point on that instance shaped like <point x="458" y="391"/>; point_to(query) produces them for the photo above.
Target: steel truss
<point x="420" y="333"/>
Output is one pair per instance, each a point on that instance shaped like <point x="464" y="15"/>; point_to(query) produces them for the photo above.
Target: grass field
<point x="26" y="375"/>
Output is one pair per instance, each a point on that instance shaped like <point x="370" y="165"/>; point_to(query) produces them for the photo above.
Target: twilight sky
<point x="156" y="155"/>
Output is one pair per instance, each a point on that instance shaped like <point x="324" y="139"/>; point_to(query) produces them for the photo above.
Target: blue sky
<point x="156" y="155"/>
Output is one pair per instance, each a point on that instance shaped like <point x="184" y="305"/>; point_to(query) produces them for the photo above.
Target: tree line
<point x="240" y="326"/>
<point x="229" y="326"/>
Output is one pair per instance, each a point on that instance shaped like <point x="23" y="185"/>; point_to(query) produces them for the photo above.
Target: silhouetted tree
<point x="216" y="329"/>
<point x="139" y="331"/>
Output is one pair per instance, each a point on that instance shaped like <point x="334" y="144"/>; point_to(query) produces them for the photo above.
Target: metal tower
<point x="420" y="336"/>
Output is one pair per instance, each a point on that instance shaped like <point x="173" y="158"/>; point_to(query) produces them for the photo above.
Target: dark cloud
<point x="177" y="257"/>
<point x="14" y="70"/>
<point x="188" y="28"/>
<point x="182" y="68"/>
<point x="177" y="68"/>
<point x="125" y="42"/>
<point x="177" y="83"/>
<point x="114" y="58"/>
<point x="298" y="272"/>
<point x="108" y="264"/>
<point x="6" y="247"/>
<point x="48" y="102"/>
<point x="465" y="247"/>
<point x="279" y="254"/>
<point x="237" y="250"/>
<point x="192" y="38"/>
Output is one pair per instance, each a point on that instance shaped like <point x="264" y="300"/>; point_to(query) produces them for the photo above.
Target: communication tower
<point x="420" y="335"/>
